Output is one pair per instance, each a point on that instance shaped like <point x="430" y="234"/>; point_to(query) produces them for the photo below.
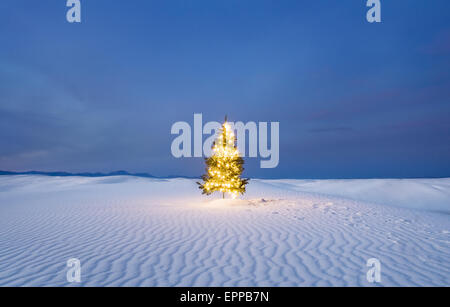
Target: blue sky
<point x="354" y="100"/>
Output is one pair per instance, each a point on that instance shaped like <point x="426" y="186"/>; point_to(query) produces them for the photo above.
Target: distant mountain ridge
<point x="87" y="174"/>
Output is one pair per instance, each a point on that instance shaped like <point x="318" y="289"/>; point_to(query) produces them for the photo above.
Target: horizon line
<point x="147" y="175"/>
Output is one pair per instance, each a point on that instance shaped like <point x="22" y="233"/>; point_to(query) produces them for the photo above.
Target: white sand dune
<point x="425" y="194"/>
<point x="130" y="231"/>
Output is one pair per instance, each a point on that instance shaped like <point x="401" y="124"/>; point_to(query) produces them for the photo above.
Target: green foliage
<point x="224" y="167"/>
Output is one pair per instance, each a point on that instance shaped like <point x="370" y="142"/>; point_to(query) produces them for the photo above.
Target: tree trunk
<point x="223" y="195"/>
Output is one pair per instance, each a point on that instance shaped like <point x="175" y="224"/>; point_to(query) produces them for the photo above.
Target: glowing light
<point x="224" y="166"/>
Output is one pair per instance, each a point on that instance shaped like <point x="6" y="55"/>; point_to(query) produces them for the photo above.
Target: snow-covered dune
<point x="424" y="194"/>
<point x="129" y="231"/>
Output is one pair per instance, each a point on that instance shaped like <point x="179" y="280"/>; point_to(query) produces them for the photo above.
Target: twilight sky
<point x="353" y="99"/>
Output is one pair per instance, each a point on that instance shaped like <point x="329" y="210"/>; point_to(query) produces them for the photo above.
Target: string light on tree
<point x="224" y="167"/>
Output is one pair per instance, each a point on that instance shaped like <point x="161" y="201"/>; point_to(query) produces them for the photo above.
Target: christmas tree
<point x="225" y="166"/>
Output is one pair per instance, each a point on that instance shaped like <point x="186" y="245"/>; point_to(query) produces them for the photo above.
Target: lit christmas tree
<point x="224" y="167"/>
